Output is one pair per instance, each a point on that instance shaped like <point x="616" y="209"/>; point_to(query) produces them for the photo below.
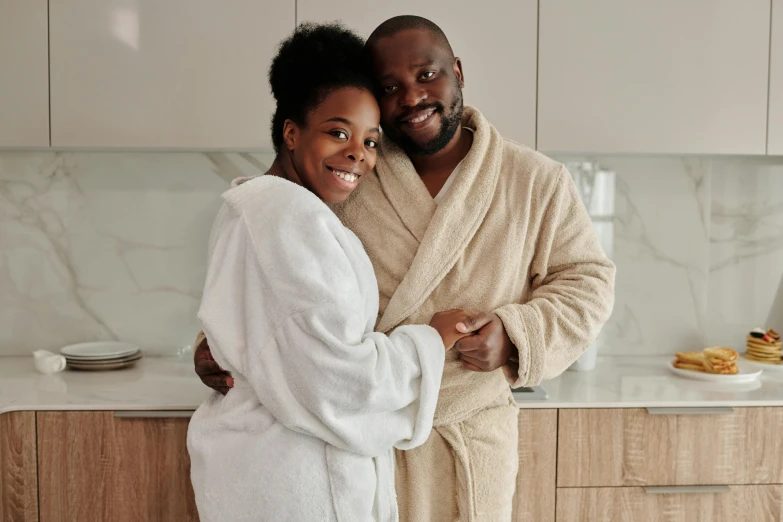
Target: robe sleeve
<point x="572" y="294"/>
<point x="289" y="310"/>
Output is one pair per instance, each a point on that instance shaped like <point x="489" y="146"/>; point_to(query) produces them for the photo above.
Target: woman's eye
<point x="339" y="134"/>
<point x="371" y="143"/>
<point x="427" y="75"/>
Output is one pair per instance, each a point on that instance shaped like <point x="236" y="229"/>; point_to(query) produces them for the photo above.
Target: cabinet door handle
<point x="154" y="414"/>
<point x="709" y="410"/>
<point x="678" y="490"/>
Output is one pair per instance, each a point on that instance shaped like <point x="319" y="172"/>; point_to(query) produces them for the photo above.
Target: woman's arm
<point x="291" y="317"/>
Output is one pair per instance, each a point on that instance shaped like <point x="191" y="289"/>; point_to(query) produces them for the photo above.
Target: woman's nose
<point x="355" y="152"/>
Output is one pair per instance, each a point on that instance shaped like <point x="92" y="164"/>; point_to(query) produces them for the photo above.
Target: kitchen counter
<point x="153" y="384"/>
<point x="646" y="382"/>
<point x="170" y="384"/>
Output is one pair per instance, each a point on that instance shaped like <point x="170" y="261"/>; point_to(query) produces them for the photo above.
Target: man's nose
<point x="414" y="95"/>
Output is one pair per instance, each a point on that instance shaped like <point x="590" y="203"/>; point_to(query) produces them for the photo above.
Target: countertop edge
<point x="544" y="405"/>
<point x="94" y="407"/>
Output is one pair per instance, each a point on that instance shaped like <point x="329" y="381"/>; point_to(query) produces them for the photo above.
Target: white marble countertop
<point x="153" y="384"/>
<point x="170" y="384"/>
<point x="646" y="382"/>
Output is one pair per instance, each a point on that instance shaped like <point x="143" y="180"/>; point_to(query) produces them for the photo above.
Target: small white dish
<point x="100" y="350"/>
<point x="745" y="374"/>
<point x="771" y="368"/>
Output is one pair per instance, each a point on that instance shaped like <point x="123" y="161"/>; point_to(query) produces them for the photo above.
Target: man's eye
<point x="427" y="75"/>
<point x="339" y="134"/>
<point x="389" y="89"/>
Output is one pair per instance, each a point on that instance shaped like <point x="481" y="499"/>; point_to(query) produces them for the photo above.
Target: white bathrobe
<point x="320" y="399"/>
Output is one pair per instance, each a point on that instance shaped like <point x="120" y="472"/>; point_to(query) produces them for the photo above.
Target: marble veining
<point x="97" y="246"/>
<point x="746" y="249"/>
<point x="112" y="246"/>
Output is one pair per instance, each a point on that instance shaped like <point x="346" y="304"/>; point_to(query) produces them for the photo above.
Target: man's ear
<point x="290" y="134"/>
<point x="458" y="72"/>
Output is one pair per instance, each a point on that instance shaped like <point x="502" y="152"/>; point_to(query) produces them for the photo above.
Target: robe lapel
<point x="404" y="188"/>
<point x="444" y="230"/>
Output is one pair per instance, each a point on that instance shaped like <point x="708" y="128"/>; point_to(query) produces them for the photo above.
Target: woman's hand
<point x="446" y="325"/>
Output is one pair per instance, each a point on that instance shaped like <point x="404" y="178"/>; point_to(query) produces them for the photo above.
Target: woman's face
<point x="337" y="145"/>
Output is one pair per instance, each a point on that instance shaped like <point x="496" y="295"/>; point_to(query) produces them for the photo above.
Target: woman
<point x="290" y="302"/>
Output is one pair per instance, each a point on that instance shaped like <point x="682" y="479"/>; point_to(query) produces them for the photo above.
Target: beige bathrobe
<point x="511" y="236"/>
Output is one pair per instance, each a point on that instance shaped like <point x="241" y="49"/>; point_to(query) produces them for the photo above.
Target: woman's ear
<point x="290" y="134"/>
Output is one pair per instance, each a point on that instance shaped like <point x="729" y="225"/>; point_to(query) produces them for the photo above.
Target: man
<point x="454" y="216"/>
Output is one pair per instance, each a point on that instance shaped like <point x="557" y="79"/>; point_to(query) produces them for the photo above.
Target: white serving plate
<point x="98" y="351"/>
<point x="771" y="368"/>
<point x="746" y="374"/>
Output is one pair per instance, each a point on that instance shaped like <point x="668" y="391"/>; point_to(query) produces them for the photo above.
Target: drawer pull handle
<point x="717" y="410"/>
<point x="679" y="490"/>
<point x="154" y="414"/>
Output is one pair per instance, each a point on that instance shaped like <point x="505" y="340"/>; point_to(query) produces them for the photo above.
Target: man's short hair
<point x="394" y="25"/>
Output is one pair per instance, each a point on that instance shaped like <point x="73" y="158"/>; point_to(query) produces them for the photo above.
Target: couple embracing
<point x="371" y="298"/>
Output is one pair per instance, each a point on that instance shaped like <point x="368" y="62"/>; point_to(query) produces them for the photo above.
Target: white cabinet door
<point x="164" y="74"/>
<point x="495" y="39"/>
<point x="24" y="74"/>
<point x="775" y="143"/>
<point x="653" y="76"/>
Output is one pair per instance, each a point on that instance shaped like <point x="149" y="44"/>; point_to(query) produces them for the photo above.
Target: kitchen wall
<point x="112" y="246"/>
<point x="107" y="245"/>
<point x="698" y="243"/>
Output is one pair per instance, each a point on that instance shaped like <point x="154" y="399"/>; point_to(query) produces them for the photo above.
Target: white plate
<point x="745" y="374"/>
<point x="101" y="350"/>
<point x="772" y="368"/>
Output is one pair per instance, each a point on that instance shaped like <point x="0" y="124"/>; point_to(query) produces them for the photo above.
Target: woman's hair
<point x="314" y="61"/>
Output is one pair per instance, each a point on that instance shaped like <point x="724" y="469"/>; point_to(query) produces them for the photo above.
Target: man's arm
<point x="572" y="297"/>
<point x="208" y="370"/>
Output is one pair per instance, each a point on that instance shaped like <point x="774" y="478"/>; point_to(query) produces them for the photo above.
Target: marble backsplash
<point x="698" y="243"/>
<point x="112" y="246"/>
<point x="97" y="246"/>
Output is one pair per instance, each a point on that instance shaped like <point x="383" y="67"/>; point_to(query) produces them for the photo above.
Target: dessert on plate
<point x="715" y="359"/>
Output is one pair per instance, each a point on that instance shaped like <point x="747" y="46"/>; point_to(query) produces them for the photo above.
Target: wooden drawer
<point x="534" y="500"/>
<point x="740" y="504"/>
<point x="634" y="447"/>
<point x="18" y="479"/>
<point x="114" y="467"/>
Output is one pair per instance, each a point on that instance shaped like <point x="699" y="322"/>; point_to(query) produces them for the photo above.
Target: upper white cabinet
<point x="24" y="76"/>
<point x="654" y="76"/>
<point x="775" y="144"/>
<point x="171" y="74"/>
<point x="496" y="42"/>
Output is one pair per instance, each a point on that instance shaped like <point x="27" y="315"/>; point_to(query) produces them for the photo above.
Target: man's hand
<point x="488" y="348"/>
<point x="208" y="370"/>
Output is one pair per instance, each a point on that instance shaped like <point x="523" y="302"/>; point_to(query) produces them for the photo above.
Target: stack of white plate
<point x="100" y="356"/>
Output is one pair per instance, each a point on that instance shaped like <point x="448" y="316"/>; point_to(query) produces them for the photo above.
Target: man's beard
<point x="448" y="128"/>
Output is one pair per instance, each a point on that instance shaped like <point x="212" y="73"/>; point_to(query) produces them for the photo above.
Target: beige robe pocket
<point x="486" y="461"/>
<point x="465" y="471"/>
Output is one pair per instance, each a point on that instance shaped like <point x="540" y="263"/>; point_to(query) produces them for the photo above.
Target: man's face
<point x="419" y="91"/>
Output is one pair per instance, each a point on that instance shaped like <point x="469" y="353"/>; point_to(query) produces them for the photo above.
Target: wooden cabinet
<point x="631" y="447"/>
<point x="653" y="76"/>
<point x="24" y="75"/>
<point x="736" y="504"/>
<point x="496" y="42"/>
<point x="95" y="466"/>
<point x="174" y="74"/>
<point x="775" y="143"/>
<point x="18" y="479"/>
<point x="534" y="500"/>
